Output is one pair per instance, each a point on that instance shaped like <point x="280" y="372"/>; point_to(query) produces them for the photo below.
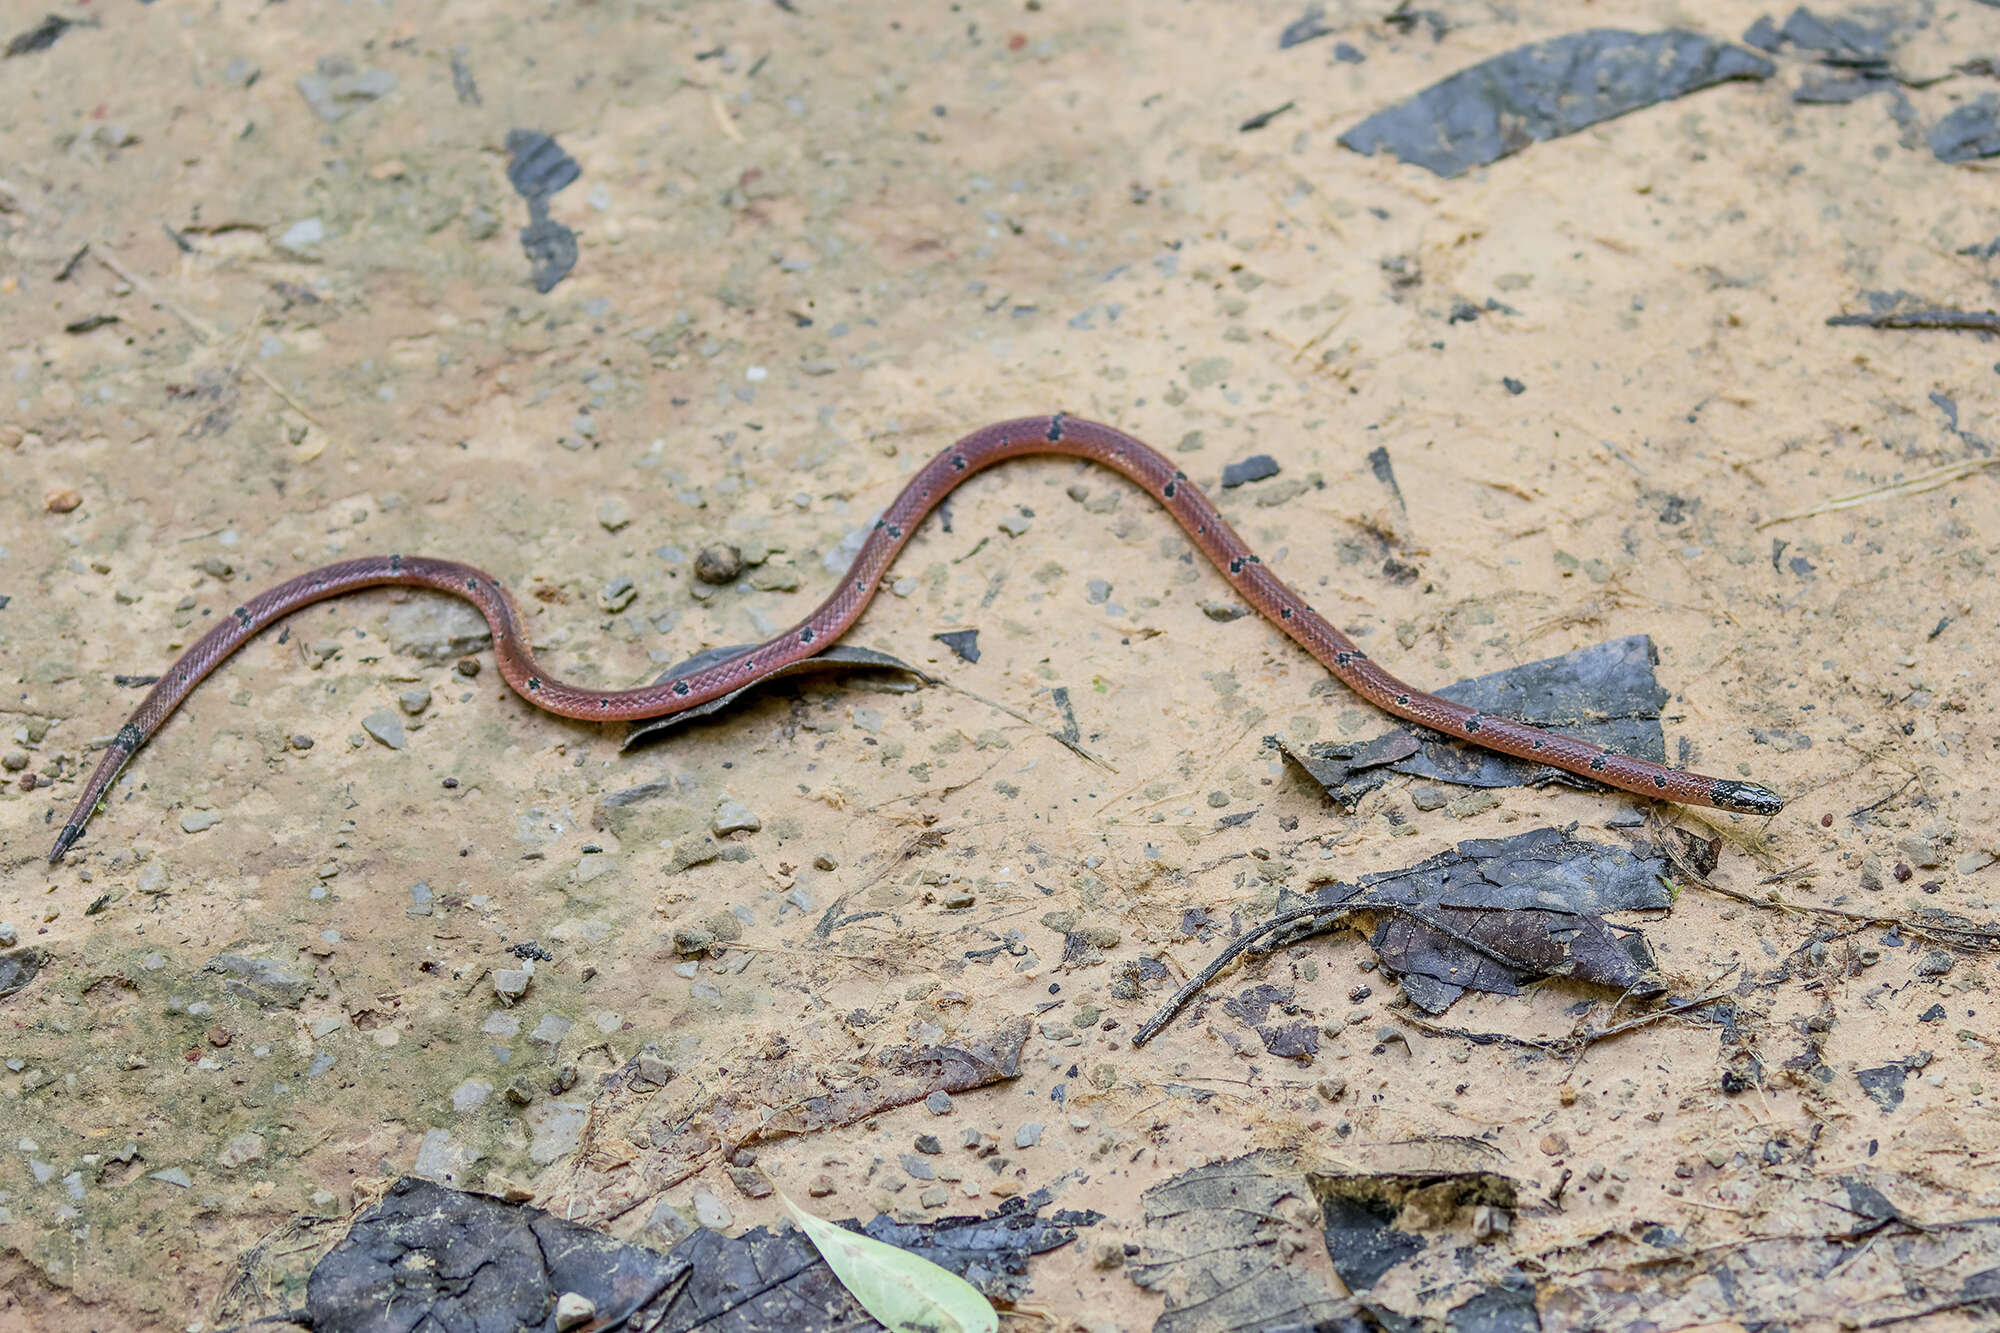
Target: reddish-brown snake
<point x="1058" y="434"/>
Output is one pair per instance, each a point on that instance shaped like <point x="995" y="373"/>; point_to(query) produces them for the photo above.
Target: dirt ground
<point x="816" y="243"/>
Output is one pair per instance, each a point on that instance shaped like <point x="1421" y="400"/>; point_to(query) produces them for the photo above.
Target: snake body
<point x="1139" y="463"/>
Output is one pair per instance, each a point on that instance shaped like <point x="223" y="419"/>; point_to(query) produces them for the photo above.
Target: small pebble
<point x="824" y="862"/>
<point x="14" y="760"/>
<point x="733" y="816"/>
<point x="613" y="514"/>
<point x="1936" y="963"/>
<point x="62" y="501"/>
<point x="9" y="937"/>
<point x="1254" y="468"/>
<point x="467" y="667"/>
<point x="1028" y="1135"/>
<point x="511" y="983"/>
<point x="616" y="595"/>
<point x="1016" y="523"/>
<point x="197" y="821"/>
<point x="414" y="701"/>
<point x="939" y="1103"/>
<point x="718" y="564"/>
<point x="242" y="1149"/>
<point x="385" y="727"/>
<point x="301" y="741"/>
<point x="573" y="1310"/>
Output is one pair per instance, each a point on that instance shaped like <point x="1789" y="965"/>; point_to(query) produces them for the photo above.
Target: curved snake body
<point x="1139" y="463"/>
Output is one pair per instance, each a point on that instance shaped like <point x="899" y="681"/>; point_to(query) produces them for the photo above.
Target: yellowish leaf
<point x="906" y="1293"/>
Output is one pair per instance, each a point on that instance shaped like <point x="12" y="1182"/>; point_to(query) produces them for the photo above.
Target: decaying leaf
<point x="837" y="657"/>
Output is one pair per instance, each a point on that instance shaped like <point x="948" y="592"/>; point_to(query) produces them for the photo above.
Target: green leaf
<point x="905" y="1293"/>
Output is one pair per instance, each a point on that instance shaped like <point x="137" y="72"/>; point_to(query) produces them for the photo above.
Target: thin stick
<point x="1917" y="485"/>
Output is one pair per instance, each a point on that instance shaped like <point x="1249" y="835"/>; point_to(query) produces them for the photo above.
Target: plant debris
<point x="1606" y="693"/>
<point x="1546" y="90"/>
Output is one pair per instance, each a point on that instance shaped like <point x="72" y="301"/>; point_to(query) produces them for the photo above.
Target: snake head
<point x="1746" y="798"/>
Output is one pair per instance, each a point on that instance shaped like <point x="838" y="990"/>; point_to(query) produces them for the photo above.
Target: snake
<point x="1060" y="434"/>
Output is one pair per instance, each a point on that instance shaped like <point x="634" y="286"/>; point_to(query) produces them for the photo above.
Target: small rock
<point x="1426" y="797"/>
<point x="305" y="232"/>
<point x="173" y="1175"/>
<point x="1555" y="1144"/>
<point x="267" y="984"/>
<point x="414" y="701"/>
<point x="301" y="741"/>
<point x="1097" y="592"/>
<point x="938" y="1102"/>
<point x="1331" y="1089"/>
<point x="616" y="595"/>
<point x="243" y="1148"/>
<point x="573" y="1310"/>
<point x="9" y="937"/>
<point x="551" y="1030"/>
<point x="667" y="1225"/>
<point x="718" y="564"/>
<point x="652" y="1069"/>
<point x="733" y="816"/>
<point x="778" y="576"/>
<point x="1028" y="1135"/>
<point x="1872" y="873"/>
<point x="511" y="983"/>
<point x="820" y="1186"/>
<point x="198" y="821"/>
<point x="437" y="629"/>
<point x="335" y="91"/>
<point x="1222" y="612"/>
<point x="385" y="727"/>
<point x="613" y="514"/>
<point x="14" y="760"/>
<point x="1016" y="523"/>
<point x="1254" y="468"/>
<point x="825" y="862"/>
<point x="1490" y="1223"/>
<point x="1936" y="963"/>
<point x="1478" y="803"/>
<point x="62" y="501"/>
<point x="693" y="941"/>
<point x="918" y="1168"/>
<point x="749" y="1182"/>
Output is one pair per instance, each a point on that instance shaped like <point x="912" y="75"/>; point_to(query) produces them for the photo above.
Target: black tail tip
<point x="64" y="840"/>
<point x="1746" y="798"/>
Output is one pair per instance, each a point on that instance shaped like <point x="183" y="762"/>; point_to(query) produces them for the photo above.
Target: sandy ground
<point x="816" y="246"/>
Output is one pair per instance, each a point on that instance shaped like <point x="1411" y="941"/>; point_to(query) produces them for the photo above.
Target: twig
<point x="200" y="329"/>
<point x="1055" y="736"/>
<point x="1576" y="1042"/>
<point x="1178" y="1001"/>
<point x="1917" y="485"/>
<point x="1983" y="321"/>
<point x="1876" y="805"/>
